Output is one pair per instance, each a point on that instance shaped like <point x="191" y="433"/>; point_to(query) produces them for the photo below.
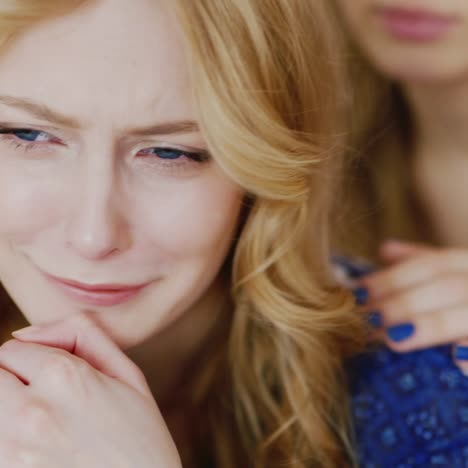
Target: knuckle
<point x="457" y="286"/>
<point x="37" y="417"/>
<point x="438" y="328"/>
<point x="28" y="457"/>
<point x="395" y="309"/>
<point x="16" y="454"/>
<point x="62" y="368"/>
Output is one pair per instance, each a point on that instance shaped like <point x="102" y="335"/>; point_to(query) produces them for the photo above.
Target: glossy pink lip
<point x="415" y="25"/>
<point x="104" y="295"/>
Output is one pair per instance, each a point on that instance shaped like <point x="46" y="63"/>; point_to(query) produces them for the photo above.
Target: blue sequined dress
<point x="410" y="410"/>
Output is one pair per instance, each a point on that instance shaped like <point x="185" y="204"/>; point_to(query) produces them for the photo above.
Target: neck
<point x="439" y="158"/>
<point x="440" y="115"/>
<point x="165" y="358"/>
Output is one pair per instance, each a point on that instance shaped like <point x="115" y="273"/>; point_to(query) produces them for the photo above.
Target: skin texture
<point x="76" y="378"/>
<point x="422" y="286"/>
<point x="93" y="207"/>
<point x="90" y="201"/>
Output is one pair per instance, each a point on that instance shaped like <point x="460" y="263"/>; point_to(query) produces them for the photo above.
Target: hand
<point x="421" y="298"/>
<point x="69" y="397"/>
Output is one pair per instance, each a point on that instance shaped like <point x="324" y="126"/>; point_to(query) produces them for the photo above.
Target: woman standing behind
<point x="410" y="187"/>
<point x="407" y="184"/>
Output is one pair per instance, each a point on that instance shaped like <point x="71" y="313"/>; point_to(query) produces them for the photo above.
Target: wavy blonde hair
<point x="267" y="83"/>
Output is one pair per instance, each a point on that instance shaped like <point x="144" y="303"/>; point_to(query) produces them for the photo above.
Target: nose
<point x="97" y="226"/>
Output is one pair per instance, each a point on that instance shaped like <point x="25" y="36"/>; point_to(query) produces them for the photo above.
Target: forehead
<point x="117" y="57"/>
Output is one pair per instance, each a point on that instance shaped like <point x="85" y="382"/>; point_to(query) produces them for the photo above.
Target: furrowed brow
<point x="169" y="128"/>
<point x="39" y="110"/>
<point x="43" y="112"/>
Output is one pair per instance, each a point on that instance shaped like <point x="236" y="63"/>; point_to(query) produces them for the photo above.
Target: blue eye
<point x="171" y="154"/>
<point x="27" y="134"/>
<point x="168" y="153"/>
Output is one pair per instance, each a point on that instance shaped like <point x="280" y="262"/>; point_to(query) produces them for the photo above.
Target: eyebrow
<point x="43" y="112"/>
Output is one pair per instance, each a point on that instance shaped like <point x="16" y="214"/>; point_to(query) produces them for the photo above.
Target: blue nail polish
<point x="361" y="295"/>
<point x="375" y="319"/>
<point x="400" y="332"/>
<point x="461" y="353"/>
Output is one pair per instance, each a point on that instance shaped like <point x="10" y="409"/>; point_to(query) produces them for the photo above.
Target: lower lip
<point x="96" y="298"/>
<point x="415" y="26"/>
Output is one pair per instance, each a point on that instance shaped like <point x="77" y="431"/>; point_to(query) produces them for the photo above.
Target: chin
<point x="428" y="76"/>
<point x="424" y="70"/>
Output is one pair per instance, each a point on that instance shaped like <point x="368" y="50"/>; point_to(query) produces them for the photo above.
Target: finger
<point x="12" y="391"/>
<point x="81" y="336"/>
<point x="428" y="330"/>
<point x="395" y="251"/>
<point x="9" y="383"/>
<point x="460" y="355"/>
<point x="24" y="360"/>
<point x="442" y="293"/>
<point x="415" y="270"/>
<point x="44" y="367"/>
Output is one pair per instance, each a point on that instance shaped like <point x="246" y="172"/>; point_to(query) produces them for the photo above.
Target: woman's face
<point x="412" y="40"/>
<point x="108" y="201"/>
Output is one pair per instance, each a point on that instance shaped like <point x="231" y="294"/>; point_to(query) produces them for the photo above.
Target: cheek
<point x="28" y="204"/>
<point x="198" y="219"/>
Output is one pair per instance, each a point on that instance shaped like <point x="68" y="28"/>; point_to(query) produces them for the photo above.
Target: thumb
<point x="81" y="335"/>
<point x="395" y="251"/>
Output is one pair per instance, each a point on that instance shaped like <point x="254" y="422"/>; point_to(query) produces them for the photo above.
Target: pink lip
<point x="415" y="25"/>
<point x="104" y="295"/>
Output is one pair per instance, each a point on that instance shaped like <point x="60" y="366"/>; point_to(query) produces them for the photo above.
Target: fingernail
<point x="26" y="331"/>
<point x="361" y="294"/>
<point x="375" y="319"/>
<point x="461" y="353"/>
<point x="400" y="332"/>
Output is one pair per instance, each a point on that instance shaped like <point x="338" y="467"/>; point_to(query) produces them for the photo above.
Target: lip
<point x="415" y="25"/>
<point x="103" y="295"/>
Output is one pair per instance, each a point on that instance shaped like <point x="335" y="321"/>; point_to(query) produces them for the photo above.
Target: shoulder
<point x="409" y="410"/>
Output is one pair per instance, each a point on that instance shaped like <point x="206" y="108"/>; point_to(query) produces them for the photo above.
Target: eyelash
<point x="193" y="156"/>
<point x="9" y="135"/>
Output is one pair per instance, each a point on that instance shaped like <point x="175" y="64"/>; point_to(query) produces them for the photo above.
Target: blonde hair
<point x="267" y="83"/>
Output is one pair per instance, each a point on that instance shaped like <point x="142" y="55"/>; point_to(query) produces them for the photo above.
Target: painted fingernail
<point x="361" y="295"/>
<point x="461" y="353"/>
<point x="375" y="319"/>
<point x="400" y="332"/>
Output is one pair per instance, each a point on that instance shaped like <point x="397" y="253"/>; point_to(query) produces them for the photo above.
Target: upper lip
<point x="417" y="13"/>
<point x="100" y="287"/>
